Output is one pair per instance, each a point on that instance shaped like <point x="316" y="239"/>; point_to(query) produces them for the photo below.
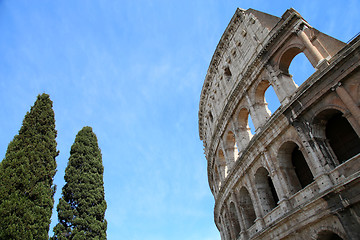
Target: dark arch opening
<point x="273" y="190"/>
<point x="301" y="167"/>
<point x="266" y="190"/>
<point x="328" y="235"/>
<point x="342" y="138"/>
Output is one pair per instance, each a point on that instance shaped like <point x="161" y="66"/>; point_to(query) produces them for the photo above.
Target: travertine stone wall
<point x="297" y="177"/>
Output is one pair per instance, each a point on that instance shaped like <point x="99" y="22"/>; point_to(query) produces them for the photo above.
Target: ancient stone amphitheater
<point x="297" y="176"/>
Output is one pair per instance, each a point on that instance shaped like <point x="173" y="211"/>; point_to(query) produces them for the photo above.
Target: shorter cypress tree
<point x="81" y="209"/>
<point x="26" y="176"/>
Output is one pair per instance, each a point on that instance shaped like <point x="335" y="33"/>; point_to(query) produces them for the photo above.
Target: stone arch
<point x="223" y="169"/>
<point x="287" y="56"/>
<point x="294" y="166"/>
<point x="247" y="207"/>
<point x="266" y="190"/>
<point x="245" y="134"/>
<point x="283" y="61"/>
<point x="332" y="125"/>
<point x="226" y="225"/>
<point x="231" y="149"/>
<point x="320" y="118"/>
<point x="328" y="233"/>
<point x="234" y="219"/>
<point x="260" y="105"/>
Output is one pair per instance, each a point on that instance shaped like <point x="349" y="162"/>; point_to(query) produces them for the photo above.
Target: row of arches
<point x="242" y="207"/>
<point x="275" y="79"/>
<point x="330" y="126"/>
<point x="294" y="171"/>
<point x="242" y="127"/>
<point x="286" y="165"/>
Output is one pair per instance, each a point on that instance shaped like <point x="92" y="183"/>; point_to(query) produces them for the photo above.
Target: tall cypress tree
<point x="26" y="176"/>
<point x="81" y="209"/>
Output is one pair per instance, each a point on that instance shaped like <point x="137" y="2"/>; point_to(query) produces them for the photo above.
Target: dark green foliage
<point x="26" y="176"/>
<point x="81" y="210"/>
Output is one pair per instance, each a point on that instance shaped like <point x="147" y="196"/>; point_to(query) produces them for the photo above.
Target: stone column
<point x="350" y="104"/>
<point x="256" y="203"/>
<point x="281" y="187"/>
<point x="284" y="86"/>
<point x="255" y="116"/>
<point x="310" y="47"/>
<point x="229" y="159"/>
<point x="229" y="223"/>
<point x="317" y="165"/>
<point x="238" y="135"/>
<point x="225" y="228"/>
<point x="240" y="216"/>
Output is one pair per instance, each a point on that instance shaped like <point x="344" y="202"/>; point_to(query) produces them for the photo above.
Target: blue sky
<point x="133" y="70"/>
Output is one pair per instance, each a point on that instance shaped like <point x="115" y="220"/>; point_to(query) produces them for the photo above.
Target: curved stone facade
<point x="297" y="176"/>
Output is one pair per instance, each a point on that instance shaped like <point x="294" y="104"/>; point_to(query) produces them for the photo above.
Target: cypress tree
<point x="81" y="209"/>
<point x="26" y="176"/>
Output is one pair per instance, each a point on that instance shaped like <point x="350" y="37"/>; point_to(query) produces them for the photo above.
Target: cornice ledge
<point x="214" y="63"/>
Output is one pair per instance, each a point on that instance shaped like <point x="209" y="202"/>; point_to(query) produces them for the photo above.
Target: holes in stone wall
<point x="227" y="73"/>
<point x="234" y="220"/>
<point x="247" y="207"/>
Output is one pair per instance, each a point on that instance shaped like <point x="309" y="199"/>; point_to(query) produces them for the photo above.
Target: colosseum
<point x="297" y="175"/>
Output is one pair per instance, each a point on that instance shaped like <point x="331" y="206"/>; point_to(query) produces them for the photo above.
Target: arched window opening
<point x="300" y="68"/>
<point x="234" y="220"/>
<point x="342" y="138"/>
<point x="231" y="147"/>
<point x="273" y="190"/>
<point x="328" y="235"/>
<point x="222" y="164"/>
<point x="302" y="169"/>
<point x="244" y="121"/>
<point x="294" y="166"/>
<point x="251" y="126"/>
<point x="266" y="191"/>
<point x="247" y="207"/>
<point x="272" y="99"/>
<point x="261" y="104"/>
<point x="227" y="73"/>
